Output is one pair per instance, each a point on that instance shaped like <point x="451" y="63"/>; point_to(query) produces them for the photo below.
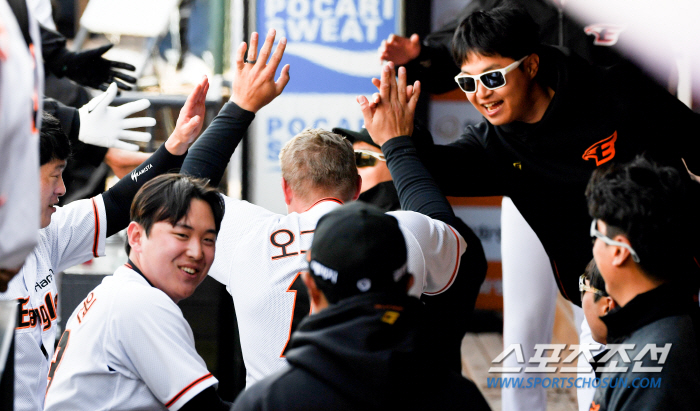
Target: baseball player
<point x="127" y="346"/>
<point x="73" y="234"/>
<point x="261" y="253"/>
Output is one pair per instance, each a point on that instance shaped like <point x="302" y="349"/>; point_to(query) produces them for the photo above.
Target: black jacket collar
<point x="664" y="301"/>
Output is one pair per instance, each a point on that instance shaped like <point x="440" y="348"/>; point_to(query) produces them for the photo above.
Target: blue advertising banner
<point x="331" y="44"/>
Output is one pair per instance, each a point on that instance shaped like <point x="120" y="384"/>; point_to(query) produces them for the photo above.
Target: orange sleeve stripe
<point x="184" y="390"/>
<point x="96" y="239"/>
<point x="454" y="273"/>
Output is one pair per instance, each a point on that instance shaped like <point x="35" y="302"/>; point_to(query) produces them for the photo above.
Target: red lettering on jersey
<point x="45" y="319"/>
<point x="24" y="314"/>
<point x="283" y="246"/>
<point x="602" y="151"/>
<point x="87" y="304"/>
<point x="605" y="34"/>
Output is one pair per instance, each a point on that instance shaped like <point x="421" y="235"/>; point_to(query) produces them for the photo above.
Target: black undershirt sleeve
<point x="418" y="192"/>
<point x="416" y="188"/>
<point x="209" y="156"/>
<point x="118" y="198"/>
<point x="206" y="400"/>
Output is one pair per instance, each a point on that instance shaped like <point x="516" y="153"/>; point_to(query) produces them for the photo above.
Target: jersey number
<point x="58" y="356"/>
<point x="300" y="309"/>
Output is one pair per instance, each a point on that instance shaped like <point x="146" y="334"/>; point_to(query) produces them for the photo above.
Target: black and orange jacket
<point x="597" y="117"/>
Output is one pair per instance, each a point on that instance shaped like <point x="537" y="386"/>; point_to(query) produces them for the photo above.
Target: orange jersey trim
<point x="333" y="199"/>
<point x="184" y="390"/>
<point x="454" y="272"/>
<point x="96" y="239"/>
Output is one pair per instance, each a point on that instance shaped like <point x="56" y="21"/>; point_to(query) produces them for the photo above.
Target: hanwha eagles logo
<point x="602" y="151"/>
<point x="605" y="34"/>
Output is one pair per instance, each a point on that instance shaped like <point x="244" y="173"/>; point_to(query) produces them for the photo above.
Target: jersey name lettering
<point x="86" y="305"/>
<point x="44" y="314"/>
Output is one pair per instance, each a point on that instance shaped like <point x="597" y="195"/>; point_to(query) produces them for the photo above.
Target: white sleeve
<point x="77" y="232"/>
<point x="241" y="219"/>
<point x="153" y="341"/>
<point x="19" y="144"/>
<point x="434" y="251"/>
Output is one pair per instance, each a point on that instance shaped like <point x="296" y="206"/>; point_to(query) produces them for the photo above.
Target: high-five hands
<point x="253" y="85"/>
<point x="390" y="113"/>
<point x="190" y="121"/>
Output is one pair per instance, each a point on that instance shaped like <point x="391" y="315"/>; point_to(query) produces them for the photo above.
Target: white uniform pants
<point x="529" y="302"/>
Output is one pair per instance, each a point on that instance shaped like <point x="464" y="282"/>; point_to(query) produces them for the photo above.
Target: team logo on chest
<point x="605" y="34"/>
<point x="602" y="151"/>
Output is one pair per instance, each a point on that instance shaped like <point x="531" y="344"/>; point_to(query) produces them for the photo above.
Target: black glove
<point x="90" y="69"/>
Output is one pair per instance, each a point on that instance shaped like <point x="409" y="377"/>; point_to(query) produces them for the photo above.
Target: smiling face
<point x="52" y="187"/>
<point x="517" y="100"/>
<point x="176" y="258"/>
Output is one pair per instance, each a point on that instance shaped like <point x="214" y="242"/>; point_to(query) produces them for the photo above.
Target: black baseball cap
<point x="358" y="249"/>
<point x="353" y="136"/>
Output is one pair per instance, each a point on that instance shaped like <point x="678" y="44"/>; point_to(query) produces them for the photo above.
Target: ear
<point x="358" y="189"/>
<point x="621" y="254"/>
<point x="136" y="234"/>
<point x="316" y="297"/>
<point x="288" y="194"/>
<point x="609" y="304"/>
<point x="532" y="65"/>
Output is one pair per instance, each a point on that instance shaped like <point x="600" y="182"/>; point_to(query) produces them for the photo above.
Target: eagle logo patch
<point x="605" y="34"/>
<point x="602" y="151"/>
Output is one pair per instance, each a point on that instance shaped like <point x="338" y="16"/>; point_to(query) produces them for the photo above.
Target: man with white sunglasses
<point x="550" y="120"/>
<point x="640" y="231"/>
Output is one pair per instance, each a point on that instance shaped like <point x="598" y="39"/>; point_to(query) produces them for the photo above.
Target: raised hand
<point x="399" y="50"/>
<point x="89" y="68"/>
<point x="102" y="125"/>
<point x="390" y="114"/>
<point x="253" y="85"/>
<point x="189" y="122"/>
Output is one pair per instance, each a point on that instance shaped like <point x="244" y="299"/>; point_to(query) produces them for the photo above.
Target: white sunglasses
<point x="609" y="241"/>
<point x="492" y="80"/>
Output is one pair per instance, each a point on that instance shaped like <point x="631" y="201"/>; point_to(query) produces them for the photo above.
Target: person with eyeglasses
<point x="377" y="187"/>
<point x="449" y="315"/>
<point x="641" y="235"/>
<point x="595" y="301"/>
<point x="548" y="123"/>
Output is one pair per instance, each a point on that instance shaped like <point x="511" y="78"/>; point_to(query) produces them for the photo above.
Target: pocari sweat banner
<point x="331" y="44"/>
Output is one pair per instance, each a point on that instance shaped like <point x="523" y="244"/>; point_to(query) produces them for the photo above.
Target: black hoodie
<point x="363" y="353"/>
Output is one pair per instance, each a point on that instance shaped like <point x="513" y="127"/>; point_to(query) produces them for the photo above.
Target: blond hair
<point x="317" y="160"/>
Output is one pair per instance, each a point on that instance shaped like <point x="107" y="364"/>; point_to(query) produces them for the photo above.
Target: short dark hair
<point x="648" y="203"/>
<point x="508" y="31"/>
<point x="168" y="198"/>
<point x="53" y="141"/>
<point x="595" y="279"/>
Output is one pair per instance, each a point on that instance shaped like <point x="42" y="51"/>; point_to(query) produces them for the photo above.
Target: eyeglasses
<point x="366" y="158"/>
<point x="609" y="241"/>
<point x="582" y="287"/>
<point x="491" y="79"/>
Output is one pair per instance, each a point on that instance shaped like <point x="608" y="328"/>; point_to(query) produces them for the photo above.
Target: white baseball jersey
<point x="20" y="86"/>
<point x="76" y="234"/>
<point x="126" y="347"/>
<point x="259" y="256"/>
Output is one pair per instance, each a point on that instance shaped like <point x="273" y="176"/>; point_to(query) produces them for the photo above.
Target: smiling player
<point x="127" y="345"/>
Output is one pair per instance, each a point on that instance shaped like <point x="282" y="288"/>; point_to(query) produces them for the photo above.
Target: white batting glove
<point x="102" y="125"/>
